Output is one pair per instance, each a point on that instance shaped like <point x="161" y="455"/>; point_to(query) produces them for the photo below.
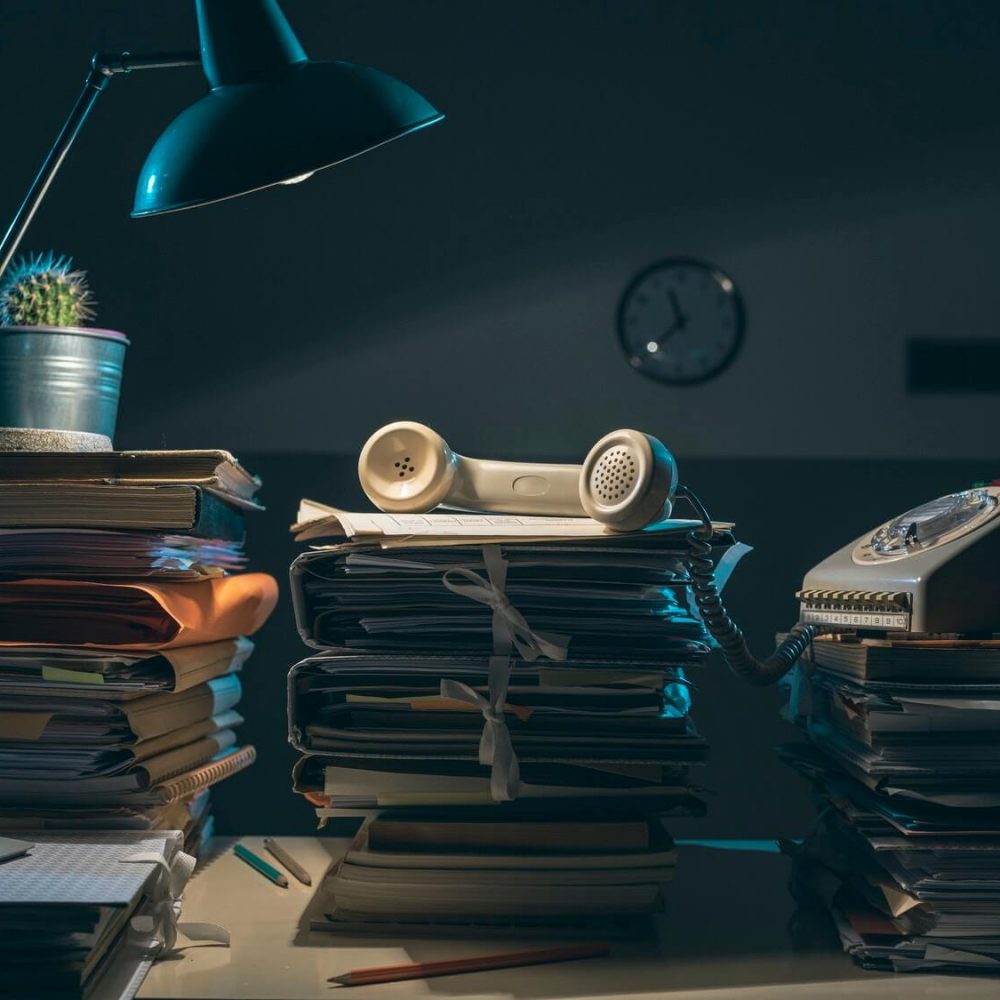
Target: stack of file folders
<point x="904" y="755"/>
<point x="504" y="703"/>
<point x="83" y="915"/>
<point x="123" y="628"/>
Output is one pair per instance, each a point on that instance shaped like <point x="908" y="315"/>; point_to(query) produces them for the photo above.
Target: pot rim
<point x="76" y="331"/>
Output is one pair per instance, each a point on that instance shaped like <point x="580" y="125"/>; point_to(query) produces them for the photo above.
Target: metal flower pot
<point x="60" y="379"/>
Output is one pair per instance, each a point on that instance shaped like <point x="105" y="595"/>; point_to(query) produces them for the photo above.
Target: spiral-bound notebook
<point x="216" y="770"/>
<point x="134" y="789"/>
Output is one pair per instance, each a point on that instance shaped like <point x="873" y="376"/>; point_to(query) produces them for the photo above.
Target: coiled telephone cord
<point x="721" y="627"/>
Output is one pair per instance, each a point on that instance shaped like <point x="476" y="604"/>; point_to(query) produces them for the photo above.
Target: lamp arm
<point x="102" y="67"/>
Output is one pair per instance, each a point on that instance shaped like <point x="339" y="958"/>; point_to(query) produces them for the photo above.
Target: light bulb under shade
<point x="245" y="137"/>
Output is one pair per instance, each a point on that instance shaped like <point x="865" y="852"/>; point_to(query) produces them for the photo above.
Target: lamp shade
<point x="272" y="115"/>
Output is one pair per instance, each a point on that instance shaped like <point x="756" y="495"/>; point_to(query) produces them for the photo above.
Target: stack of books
<point x="904" y="754"/>
<point x="123" y="628"/>
<point x="73" y="910"/>
<point x="504" y="703"/>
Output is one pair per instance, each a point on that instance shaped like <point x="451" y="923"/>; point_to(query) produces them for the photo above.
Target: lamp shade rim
<point x="197" y="202"/>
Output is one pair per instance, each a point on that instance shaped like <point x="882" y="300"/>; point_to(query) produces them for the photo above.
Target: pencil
<point x="288" y="861"/>
<point x="456" y="966"/>
<point x="268" y="871"/>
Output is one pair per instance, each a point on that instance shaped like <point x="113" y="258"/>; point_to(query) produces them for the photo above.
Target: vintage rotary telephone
<point x="932" y="570"/>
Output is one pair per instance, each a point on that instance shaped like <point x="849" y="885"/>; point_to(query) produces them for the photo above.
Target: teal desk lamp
<point x="272" y="115"/>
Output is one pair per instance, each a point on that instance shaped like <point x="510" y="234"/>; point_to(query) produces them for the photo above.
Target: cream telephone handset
<point x="934" y="569"/>
<point x="628" y="480"/>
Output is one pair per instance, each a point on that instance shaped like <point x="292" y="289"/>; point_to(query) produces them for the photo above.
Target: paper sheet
<point x="317" y="520"/>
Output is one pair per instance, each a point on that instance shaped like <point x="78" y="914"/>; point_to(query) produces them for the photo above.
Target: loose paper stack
<point x="504" y="702"/>
<point x="123" y="629"/>
<point x="904" y="754"/>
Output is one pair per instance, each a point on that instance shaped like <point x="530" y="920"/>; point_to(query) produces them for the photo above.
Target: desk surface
<point x="727" y="932"/>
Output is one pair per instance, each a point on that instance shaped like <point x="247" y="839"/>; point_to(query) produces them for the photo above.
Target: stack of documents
<point x="572" y="873"/>
<point x="123" y="629"/>
<point x="132" y="554"/>
<point x="71" y="909"/>
<point x="904" y="754"/>
<point x="504" y="703"/>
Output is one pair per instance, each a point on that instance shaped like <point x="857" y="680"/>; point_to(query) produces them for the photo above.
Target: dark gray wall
<point x="840" y="159"/>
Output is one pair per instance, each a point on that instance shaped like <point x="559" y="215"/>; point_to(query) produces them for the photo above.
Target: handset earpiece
<point x="406" y="467"/>
<point x="628" y="480"/>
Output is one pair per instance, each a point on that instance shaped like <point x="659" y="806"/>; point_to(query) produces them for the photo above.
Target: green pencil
<point x="268" y="871"/>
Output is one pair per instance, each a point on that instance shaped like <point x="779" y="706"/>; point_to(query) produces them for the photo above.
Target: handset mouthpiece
<point x="406" y="467"/>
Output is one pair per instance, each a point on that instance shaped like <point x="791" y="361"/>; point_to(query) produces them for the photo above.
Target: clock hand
<point x="674" y="327"/>
<point x="680" y="320"/>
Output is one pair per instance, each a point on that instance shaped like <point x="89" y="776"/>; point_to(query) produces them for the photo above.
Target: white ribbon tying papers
<point x="495" y="747"/>
<point x="511" y="632"/>
<point x="510" y="628"/>
<point x="162" y="923"/>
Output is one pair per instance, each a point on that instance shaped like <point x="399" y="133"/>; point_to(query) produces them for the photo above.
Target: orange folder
<point x="134" y="615"/>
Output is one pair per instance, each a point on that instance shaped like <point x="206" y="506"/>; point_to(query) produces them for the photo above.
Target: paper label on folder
<point x="435" y="703"/>
<point x="23" y="725"/>
<point x="60" y="675"/>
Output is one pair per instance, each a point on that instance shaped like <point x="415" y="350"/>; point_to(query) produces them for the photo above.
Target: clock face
<point x="680" y="321"/>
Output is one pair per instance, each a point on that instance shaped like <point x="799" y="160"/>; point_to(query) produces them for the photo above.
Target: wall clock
<point x="680" y="321"/>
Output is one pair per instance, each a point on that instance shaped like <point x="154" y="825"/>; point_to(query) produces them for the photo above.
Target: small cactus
<point x="43" y="290"/>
